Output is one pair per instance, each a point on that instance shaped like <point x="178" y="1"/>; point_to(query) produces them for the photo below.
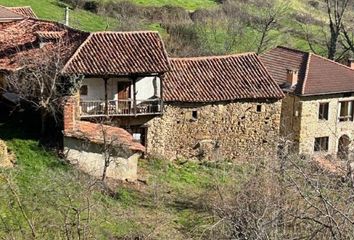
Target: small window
<point x="195" y="115"/>
<point x="84" y="90"/>
<point x="323" y="111"/>
<point x="321" y="144"/>
<point x="259" y="108"/>
<point x="345" y="111"/>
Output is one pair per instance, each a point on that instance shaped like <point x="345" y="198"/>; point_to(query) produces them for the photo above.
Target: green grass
<point x="49" y="9"/>
<point x="189" y="5"/>
<point x="51" y="192"/>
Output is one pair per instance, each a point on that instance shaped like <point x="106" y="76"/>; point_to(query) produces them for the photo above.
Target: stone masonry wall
<point x="219" y="131"/>
<point x="291" y="120"/>
<point x="312" y="127"/>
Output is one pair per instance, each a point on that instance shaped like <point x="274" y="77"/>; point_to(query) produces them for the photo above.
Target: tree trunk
<point x="44" y="116"/>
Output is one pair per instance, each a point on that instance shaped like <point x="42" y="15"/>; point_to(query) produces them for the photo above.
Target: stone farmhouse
<point x="317" y="112"/>
<point x="220" y="107"/>
<point x="140" y="102"/>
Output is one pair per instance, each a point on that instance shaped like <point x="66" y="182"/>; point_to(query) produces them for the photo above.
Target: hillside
<point x="44" y="193"/>
<point x="199" y="27"/>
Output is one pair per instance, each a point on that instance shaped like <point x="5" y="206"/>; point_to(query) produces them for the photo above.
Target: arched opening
<point x="343" y="147"/>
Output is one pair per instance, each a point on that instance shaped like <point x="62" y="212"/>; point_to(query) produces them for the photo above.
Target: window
<point x="84" y="90"/>
<point x="321" y="144"/>
<point x="195" y="115"/>
<point x="323" y="111"/>
<point x="345" y="111"/>
<point x="259" y="108"/>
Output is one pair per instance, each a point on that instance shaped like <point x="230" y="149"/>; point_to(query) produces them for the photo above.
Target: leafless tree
<point x="268" y="21"/>
<point x="336" y="10"/>
<point x="39" y="82"/>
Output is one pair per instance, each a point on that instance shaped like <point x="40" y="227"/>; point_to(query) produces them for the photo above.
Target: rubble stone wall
<point x="215" y="131"/>
<point x="312" y="127"/>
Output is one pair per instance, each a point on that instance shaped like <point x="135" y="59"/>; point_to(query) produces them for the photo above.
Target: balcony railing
<point x="120" y="107"/>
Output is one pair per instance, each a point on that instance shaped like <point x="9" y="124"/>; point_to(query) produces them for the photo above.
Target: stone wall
<point x="312" y="127"/>
<point x="291" y="120"/>
<point x="88" y="157"/>
<point x="214" y="131"/>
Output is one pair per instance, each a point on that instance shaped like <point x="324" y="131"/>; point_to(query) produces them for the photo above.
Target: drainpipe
<point x="67" y="16"/>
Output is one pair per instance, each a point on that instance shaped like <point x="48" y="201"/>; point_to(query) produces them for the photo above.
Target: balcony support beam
<point x="105" y="96"/>
<point x="134" y="96"/>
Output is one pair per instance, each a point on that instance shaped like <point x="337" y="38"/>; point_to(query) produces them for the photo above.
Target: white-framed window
<point x="323" y="111"/>
<point x="345" y="111"/>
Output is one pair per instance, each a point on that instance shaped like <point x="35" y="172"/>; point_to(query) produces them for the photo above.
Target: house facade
<point x="216" y="108"/>
<point x="317" y="112"/>
<point x="123" y="74"/>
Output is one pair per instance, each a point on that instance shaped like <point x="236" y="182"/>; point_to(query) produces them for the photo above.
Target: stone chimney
<point x="292" y="77"/>
<point x="67" y="16"/>
<point x="69" y="114"/>
<point x="351" y="63"/>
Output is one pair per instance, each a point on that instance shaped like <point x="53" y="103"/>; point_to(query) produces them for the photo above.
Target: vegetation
<point x="53" y="10"/>
<point x="44" y="198"/>
<point x="209" y="27"/>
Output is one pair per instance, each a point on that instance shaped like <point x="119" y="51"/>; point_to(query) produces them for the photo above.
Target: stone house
<point x="121" y="86"/>
<point x="317" y="112"/>
<point x="216" y="108"/>
<point x="24" y="41"/>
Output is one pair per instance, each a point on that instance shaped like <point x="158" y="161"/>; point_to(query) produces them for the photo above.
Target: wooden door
<point x="123" y="96"/>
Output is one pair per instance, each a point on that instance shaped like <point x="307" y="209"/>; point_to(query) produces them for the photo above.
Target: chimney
<point x="351" y="63"/>
<point x="67" y="16"/>
<point x="292" y="77"/>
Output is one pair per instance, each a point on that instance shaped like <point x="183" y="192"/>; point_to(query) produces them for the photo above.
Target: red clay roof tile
<point x="97" y="133"/>
<point x="219" y="78"/>
<point x="19" y="41"/>
<point x="7" y="15"/>
<point x="317" y="75"/>
<point x="119" y="53"/>
<point x="25" y="11"/>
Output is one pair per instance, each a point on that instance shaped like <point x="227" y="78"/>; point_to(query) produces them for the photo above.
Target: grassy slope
<point x="189" y="5"/>
<point x="169" y="207"/>
<point x="49" y="9"/>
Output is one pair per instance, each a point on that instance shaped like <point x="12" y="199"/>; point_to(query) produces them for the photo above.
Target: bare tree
<point x="39" y="82"/>
<point x="336" y="10"/>
<point x="267" y="22"/>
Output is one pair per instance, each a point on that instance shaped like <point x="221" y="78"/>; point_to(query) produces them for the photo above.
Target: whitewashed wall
<point x="145" y="88"/>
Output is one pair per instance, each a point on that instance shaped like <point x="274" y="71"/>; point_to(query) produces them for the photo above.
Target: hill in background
<point x="202" y="27"/>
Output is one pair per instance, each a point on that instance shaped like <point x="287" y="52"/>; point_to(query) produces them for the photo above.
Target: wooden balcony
<point x="99" y="108"/>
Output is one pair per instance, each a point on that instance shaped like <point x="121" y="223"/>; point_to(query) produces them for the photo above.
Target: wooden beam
<point x="134" y="95"/>
<point x="105" y="96"/>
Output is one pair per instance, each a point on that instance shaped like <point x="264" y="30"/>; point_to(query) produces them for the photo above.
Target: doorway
<point x="123" y="97"/>
<point x="343" y="147"/>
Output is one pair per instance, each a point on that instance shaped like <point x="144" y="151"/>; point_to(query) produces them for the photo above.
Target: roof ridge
<point x="292" y="49"/>
<point x="332" y="61"/>
<point x="212" y="57"/>
<point x="19" y="7"/>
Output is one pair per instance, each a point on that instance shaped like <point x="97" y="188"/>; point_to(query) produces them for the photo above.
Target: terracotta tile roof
<point x="7" y="15"/>
<point x="95" y="133"/>
<point x="19" y="41"/>
<point x="317" y="75"/>
<point x="119" y="53"/>
<point x="220" y="78"/>
<point x="25" y="11"/>
<point x="47" y="35"/>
